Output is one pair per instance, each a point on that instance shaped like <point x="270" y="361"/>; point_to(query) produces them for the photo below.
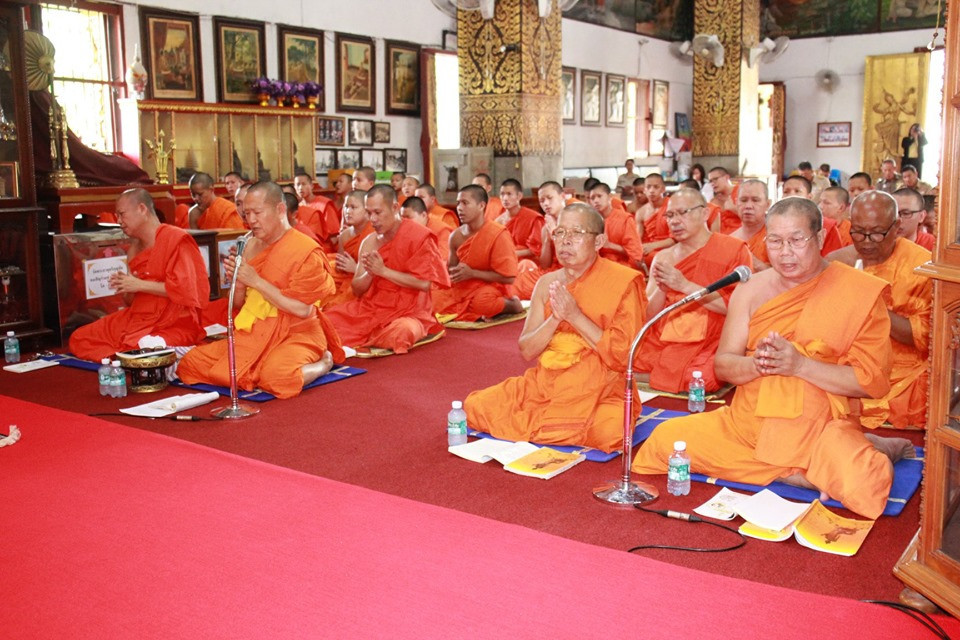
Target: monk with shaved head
<point x="211" y="211"/>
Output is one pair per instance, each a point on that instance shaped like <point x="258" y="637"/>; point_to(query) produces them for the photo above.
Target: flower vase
<point x="281" y="101"/>
<point x="264" y="99"/>
<point x="312" y="102"/>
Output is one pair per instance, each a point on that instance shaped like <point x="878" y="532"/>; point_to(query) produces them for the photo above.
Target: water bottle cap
<point x="456" y="404"/>
<point x="697" y="375"/>
<point x="115" y="363"/>
<point x="105" y="361"/>
<point x="10" y="334"/>
<point x="680" y="445"/>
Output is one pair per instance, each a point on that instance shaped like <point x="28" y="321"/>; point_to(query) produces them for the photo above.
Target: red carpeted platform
<point x="111" y="532"/>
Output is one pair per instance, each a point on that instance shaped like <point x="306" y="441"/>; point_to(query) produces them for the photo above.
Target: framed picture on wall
<point x="372" y="158"/>
<point x="348" y="158"/>
<point x="660" y="104"/>
<point x="616" y="94"/>
<point x="9" y="179"/>
<point x="833" y="134"/>
<point x="356" y="74"/>
<point x="331" y="130"/>
<point x="568" y="89"/>
<point x="171" y="54"/>
<point x="301" y="56"/>
<point x="381" y="132"/>
<point x="240" y="58"/>
<point x="403" y="78"/>
<point x="361" y="133"/>
<point x="395" y="160"/>
<point x="324" y="160"/>
<point x="591" y="98"/>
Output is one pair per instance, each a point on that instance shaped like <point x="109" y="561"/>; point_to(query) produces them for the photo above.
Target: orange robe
<point x="343" y="279"/>
<point x="729" y="221"/>
<point x="529" y="271"/>
<point x="758" y="245"/>
<point x="494" y="209"/>
<point x="686" y="339"/>
<point x="621" y="229"/>
<point x="181" y="216"/>
<point x="905" y="405"/>
<point x="843" y="227"/>
<point x="388" y="315"/>
<point x="272" y="346"/>
<point x="175" y="260"/>
<point x="574" y="395"/>
<point x="617" y="203"/>
<point x="655" y="229"/>
<point x="307" y="231"/>
<point x="525" y="228"/>
<point x="489" y="249"/>
<point x="832" y="240"/>
<point x="777" y="425"/>
<point x="713" y="212"/>
<point x="445" y="216"/>
<point x="926" y="240"/>
<point x="442" y="231"/>
<point x="221" y="214"/>
<point x="321" y="215"/>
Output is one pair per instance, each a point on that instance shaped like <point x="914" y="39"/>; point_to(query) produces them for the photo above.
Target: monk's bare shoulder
<point x="847" y="255"/>
<point x="370" y="243"/>
<point x="761" y="286"/>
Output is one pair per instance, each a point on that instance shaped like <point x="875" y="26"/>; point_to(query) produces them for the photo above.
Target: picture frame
<point x="331" y="130"/>
<point x="395" y="160"/>
<point x="361" y="133"/>
<point x="171" y="54"/>
<point x="568" y="90"/>
<point x="381" y="132"/>
<point x="403" y="78"/>
<point x="301" y="56"/>
<point x="356" y="75"/>
<point x="9" y="179"/>
<point x="324" y="160"/>
<point x="660" y="111"/>
<point x="615" y="91"/>
<point x="833" y="134"/>
<point x="348" y="158"/>
<point x="372" y="158"/>
<point x="240" y="58"/>
<point x="591" y="98"/>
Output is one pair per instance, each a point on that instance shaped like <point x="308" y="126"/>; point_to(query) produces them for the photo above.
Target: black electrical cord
<point x="175" y="418"/>
<point x="918" y="615"/>
<point x="689" y="518"/>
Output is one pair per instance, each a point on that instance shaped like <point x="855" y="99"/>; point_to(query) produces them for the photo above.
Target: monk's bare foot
<point x="513" y="306"/>
<point x="894" y="448"/>
<point x="800" y="480"/>
<point x="314" y="370"/>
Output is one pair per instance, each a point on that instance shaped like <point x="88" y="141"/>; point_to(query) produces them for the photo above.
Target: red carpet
<point x="110" y="532"/>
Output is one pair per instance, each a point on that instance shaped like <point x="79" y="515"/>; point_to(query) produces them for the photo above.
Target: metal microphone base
<point x="235" y="412"/>
<point x="625" y="494"/>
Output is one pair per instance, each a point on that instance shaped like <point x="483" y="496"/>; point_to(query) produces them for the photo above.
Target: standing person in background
<point x="913" y="148"/>
<point x="626" y="179"/>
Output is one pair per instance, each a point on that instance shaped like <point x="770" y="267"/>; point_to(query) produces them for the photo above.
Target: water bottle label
<point x="697" y="394"/>
<point x="457" y="428"/>
<point x="678" y="472"/>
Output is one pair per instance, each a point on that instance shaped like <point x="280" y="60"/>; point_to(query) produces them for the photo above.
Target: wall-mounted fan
<point x="768" y="50"/>
<point x="708" y="47"/>
<point x="682" y="51"/>
<point x="827" y="79"/>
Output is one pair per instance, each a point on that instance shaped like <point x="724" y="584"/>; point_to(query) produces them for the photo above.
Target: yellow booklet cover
<point x="544" y="463"/>
<point x="823" y="530"/>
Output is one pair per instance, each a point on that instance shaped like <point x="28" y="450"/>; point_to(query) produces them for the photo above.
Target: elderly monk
<point x="911" y="210"/>
<point x="494" y="205"/>
<point x="552" y="202"/>
<point x="800" y="187"/>
<point x="164" y="291"/>
<point x="356" y="227"/>
<point x="397" y="267"/>
<point x="282" y="342"/>
<point x="415" y="209"/>
<point x="524" y="224"/>
<point x="364" y="178"/>
<point x="859" y="183"/>
<point x="435" y="212"/>
<point x="212" y="211"/>
<point x="893" y="258"/>
<point x="580" y="324"/>
<point x="483" y="261"/>
<point x="623" y="242"/>
<point x="686" y="340"/>
<point x="752" y="205"/>
<point x="317" y="212"/>
<point x="835" y="205"/>
<point x="649" y="218"/>
<point x="803" y="352"/>
<point x="725" y="196"/>
<point x="293" y="219"/>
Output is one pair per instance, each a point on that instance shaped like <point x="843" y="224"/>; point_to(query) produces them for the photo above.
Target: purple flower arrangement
<point x="297" y="93"/>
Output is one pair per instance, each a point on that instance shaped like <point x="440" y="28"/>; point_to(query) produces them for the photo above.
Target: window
<point x="448" y="101"/>
<point x="88" y="69"/>
<point x="638" y="124"/>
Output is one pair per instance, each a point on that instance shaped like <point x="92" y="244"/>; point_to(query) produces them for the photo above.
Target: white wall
<point x="807" y="104"/>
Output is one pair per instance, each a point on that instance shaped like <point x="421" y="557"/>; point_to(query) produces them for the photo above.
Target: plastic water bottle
<point x="11" y="348"/>
<point x="456" y="425"/>
<point x="119" y="380"/>
<point x="105" y="373"/>
<point x="678" y="470"/>
<point x="696" y="396"/>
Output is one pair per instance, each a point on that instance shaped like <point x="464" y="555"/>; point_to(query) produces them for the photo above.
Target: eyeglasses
<point x="670" y="215"/>
<point x="875" y="236"/>
<point x="796" y="243"/>
<point x="909" y="214"/>
<point x="559" y="234"/>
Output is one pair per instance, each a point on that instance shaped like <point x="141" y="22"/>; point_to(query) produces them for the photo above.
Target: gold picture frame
<point x="301" y="56"/>
<point x="356" y="74"/>
<point x="171" y="48"/>
<point x="403" y="78"/>
<point x="240" y="58"/>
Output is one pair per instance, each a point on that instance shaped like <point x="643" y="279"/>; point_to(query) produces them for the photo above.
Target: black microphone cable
<point x="689" y="517"/>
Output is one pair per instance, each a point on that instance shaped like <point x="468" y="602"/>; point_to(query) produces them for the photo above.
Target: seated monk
<point x="752" y="205"/>
<point x="232" y="181"/>
<point x="212" y="211"/>
<point x="396" y="181"/>
<point x="650" y="222"/>
<point x="293" y="217"/>
<point x="164" y="291"/>
<point x="438" y="214"/>
<point x="397" y="267"/>
<point x="623" y="242"/>
<point x="282" y="341"/>
<point x="835" y="204"/>
<point x="215" y="311"/>
<point x="317" y="212"/>
<point x="483" y="261"/>
<point x="494" y="205"/>
<point x="725" y="196"/>
<point x="802" y="352"/>
<point x="713" y="210"/>
<point x="552" y="202"/>
<point x="415" y="209"/>
<point x="800" y="187"/>
<point x="639" y="198"/>
<point x="356" y="227"/>
<point x="408" y="187"/>
<point x="912" y="213"/>
<point x="364" y="178"/>
<point x="686" y="340"/>
<point x="893" y="258"/>
<point x="524" y="224"/>
<point x="580" y="324"/>
<point x="342" y="186"/>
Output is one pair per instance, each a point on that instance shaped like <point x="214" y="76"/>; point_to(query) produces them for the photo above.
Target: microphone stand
<point x="235" y="410"/>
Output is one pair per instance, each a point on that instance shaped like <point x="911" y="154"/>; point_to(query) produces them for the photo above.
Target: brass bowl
<point x="147" y="373"/>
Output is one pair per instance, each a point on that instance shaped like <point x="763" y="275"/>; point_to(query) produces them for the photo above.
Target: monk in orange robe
<point x="398" y="265"/>
<point x="801" y="187"/>
<point x="580" y="324"/>
<point x="524" y="224"/>
<point x="494" y="206"/>
<point x="893" y="259"/>
<point x="408" y="188"/>
<point x="686" y="339"/>
<point x="649" y="218"/>
<point x="912" y="214"/>
<point x="438" y="214"/>
<point x="165" y="288"/>
<point x="282" y="340"/>
<point x="796" y="318"/>
<point x="293" y="217"/>
<point x="212" y="211"/>
<point x="356" y="228"/>
<point x="552" y="202"/>
<point x="725" y="196"/>
<point x="752" y="205"/>
<point x="835" y="204"/>
<point x="317" y="212"/>
<point x="181" y="215"/>
<point x="623" y="242"/>
<point x="364" y="178"/>
<point x="414" y="209"/>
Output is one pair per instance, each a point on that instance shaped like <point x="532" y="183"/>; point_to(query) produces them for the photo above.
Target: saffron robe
<point x="777" y="425"/>
<point x="321" y="215"/>
<point x="343" y="279"/>
<point x="306" y="230"/>
<point x="525" y="228"/>
<point x="489" y="249"/>
<point x="494" y="209"/>
<point x="528" y="271"/>
<point x="181" y="216"/>
<point x="221" y="214"/>
<point x="175" y="260"/>
<point x="271" y="345"/>
<point x="388" y="315"/>
<point x="926" y="240"/>
<point x="758" y="245"/>
<point x="621" y="229"/>
<point x="655" y="229"/>
<point x="686" y="339"/>
<point x="574" y="395"/>
<point x="444" y="216"/>
<point x="832" y="239"/>
<point x="905" y="405"/>
<point x="442" y="231"/>
<point x="729" y="221"/>
<point x="843" y="228"/>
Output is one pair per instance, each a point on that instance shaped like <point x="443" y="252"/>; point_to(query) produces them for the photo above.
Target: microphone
<point x="740" y="274"/>
<point x="242" y="241"/>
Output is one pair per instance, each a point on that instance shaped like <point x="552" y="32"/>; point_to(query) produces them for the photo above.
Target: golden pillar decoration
<point x="510" y="88"/>
<point x="894" y="97"/>
<point x="725" y="99"/>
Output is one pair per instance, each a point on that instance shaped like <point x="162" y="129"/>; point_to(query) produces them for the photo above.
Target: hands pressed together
<point x="460" y="272"/>
<point x="668" y="277"/>
<point x="562" y="303"/>
<point x="775" y="355"/>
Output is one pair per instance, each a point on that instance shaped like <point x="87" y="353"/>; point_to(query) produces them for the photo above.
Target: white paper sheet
<point x="171" y="405"/>
<point x="30" y="365"/>
<point x="487" y="449"/>
<point x="722" y="506"/>
<point x="768" y="510"/>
